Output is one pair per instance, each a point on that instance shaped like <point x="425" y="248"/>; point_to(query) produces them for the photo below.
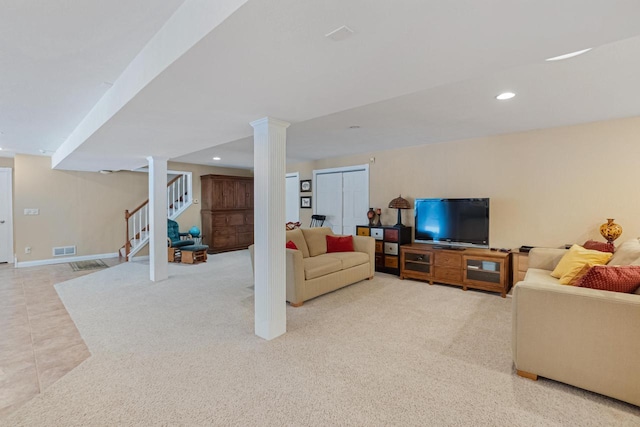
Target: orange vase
<point x="610" y="231"/>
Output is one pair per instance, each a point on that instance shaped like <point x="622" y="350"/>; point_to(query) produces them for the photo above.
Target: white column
<point x="158" y="257"/>
<point x="269" y="163"/>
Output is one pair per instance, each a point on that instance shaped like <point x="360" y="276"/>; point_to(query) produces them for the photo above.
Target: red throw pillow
<point x="339" y="243"/>
<point x="291" y="245"/>
<point x="599" y="246"/>
<point x="619" y="278"/>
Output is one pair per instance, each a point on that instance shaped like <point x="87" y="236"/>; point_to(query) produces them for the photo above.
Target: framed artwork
<point x="305" y="185"/>
<point x="305" y="202"/>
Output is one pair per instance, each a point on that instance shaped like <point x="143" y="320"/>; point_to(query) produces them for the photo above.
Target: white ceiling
<point x="57" y="59"/>
<point x="414" y="72"/>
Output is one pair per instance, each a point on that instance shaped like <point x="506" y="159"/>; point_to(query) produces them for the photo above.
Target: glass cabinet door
<point x="483" y="270"/>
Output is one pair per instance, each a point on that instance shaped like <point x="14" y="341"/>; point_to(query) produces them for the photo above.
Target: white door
<point x="329" y="199"/>
<point x="292" y="197"/>
<point x="343" y="195"/>
<point x="355" y="198"/>
<point x="6" y="223"/>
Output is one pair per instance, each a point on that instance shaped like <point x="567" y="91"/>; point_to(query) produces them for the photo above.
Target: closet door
<point x="354" y="200"/>
<point x="343" y="195"/>
<point x="329" y="199"/>
<point x="293" y="198"/>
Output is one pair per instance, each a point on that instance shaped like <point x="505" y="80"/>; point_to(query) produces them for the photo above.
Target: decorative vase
<point x="610" y="231"/>
<point x="379" y="214"/>
<point x="371" y="214"/>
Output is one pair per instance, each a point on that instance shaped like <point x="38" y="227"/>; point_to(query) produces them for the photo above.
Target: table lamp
<point x="399" y="203"/>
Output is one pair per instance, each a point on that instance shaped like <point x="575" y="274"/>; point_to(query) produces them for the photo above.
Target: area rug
<point x="88" y="265"/>
<point x="382" y="352"/>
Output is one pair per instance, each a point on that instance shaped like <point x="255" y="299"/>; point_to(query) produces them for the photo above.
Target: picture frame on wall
<point x="305" y="202"/>
<point x="305" y="185"/>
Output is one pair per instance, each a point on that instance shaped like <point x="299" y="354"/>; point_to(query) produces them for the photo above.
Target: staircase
<point x="179" y="198"/>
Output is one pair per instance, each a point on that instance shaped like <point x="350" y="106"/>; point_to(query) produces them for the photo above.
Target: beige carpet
<point x="381" y="352"/>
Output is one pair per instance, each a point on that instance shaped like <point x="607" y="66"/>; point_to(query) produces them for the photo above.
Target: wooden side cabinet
<point x="520" y="264"/>
<point x="388" y="242"/>
<point x="469" y="268"/>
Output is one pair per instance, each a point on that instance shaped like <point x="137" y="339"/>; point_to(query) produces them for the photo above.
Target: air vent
<point x="64" y="250"/>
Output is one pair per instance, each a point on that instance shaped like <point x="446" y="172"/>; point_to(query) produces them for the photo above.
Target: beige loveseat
<point x="312" y="272"/>
<point x="584" y="337"/>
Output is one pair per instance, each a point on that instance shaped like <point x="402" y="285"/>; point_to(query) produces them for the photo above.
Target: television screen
<point x="461" y="222"/>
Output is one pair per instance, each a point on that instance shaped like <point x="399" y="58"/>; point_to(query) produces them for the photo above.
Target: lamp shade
<point x="399" y="203"/>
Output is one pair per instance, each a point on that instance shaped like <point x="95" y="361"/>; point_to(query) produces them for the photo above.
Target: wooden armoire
<point x="227" y="212"/>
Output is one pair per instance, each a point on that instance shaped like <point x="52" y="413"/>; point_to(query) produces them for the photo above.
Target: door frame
<point x="354" y="168"/>
<point x="9" y="222"/>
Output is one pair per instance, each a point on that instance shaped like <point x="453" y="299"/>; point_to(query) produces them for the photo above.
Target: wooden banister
<point x="144" y="227"/>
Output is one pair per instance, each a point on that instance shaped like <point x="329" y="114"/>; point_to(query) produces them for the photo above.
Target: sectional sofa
<point x="584" y="337"/>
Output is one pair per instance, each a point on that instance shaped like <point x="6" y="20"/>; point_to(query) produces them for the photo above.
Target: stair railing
<point x="137" y="221"/>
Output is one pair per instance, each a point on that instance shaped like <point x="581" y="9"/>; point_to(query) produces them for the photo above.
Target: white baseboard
<point x="64" y="259"/>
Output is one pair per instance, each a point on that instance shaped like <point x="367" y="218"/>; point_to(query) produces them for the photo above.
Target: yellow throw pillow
<point x="584" y="270"/>
<point x="573" y="261"/>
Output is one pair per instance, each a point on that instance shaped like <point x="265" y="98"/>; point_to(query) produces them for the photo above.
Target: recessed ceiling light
<point x="568" y="55"/>
<point x="505" y="95"/>
<point x="216" y="158"/>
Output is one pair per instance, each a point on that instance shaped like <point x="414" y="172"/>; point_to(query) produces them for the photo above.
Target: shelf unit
<point x="470" y="268"/>
<point x="388" y="242"/>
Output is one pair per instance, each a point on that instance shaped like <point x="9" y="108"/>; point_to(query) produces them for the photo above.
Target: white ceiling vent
<point x="340" y="34"/>
<point x="64" y="250"/>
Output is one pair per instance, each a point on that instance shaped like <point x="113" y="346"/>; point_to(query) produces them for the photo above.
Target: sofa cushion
<point x="623" y="278"/>
<point x="350" y="259"/>
<point x="538" y="275"/>
<point x="339" y="243"/>
<point x="627" y="253"/>
<point x="297" y="238"/>
<point x="320" y="265"/>
<point x="316" y="239"/>
<point x="599" y="246"/>
<point x="573" y="261"/>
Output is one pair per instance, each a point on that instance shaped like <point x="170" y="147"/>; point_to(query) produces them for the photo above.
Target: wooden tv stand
<point x="470" y="268"/>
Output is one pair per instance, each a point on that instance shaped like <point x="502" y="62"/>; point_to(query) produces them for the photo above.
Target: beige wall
<point x="6" y="162"/>
<point x="547" y="187"/>
<point x="76" y="208"/>
<point x="82" y="208"/>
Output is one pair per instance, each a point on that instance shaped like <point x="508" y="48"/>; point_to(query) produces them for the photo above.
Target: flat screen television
<point x="452" y="222"/>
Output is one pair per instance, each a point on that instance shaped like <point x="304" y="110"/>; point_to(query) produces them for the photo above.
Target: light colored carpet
<point x="380" y="352"/>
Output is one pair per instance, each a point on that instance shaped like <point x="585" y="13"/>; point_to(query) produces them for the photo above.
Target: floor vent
<point x="64" y="250"/>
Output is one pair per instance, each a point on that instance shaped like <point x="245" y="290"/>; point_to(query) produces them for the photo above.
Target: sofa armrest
<point x="545" y="258"/>
<point x="584" y="337"/>
<point x="367" y="245"/>
<point x="295" y="276"/>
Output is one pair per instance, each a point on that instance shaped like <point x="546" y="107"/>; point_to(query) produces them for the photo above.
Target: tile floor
<point x="39" y="343"/>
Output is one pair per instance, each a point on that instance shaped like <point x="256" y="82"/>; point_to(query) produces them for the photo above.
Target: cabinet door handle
<point x="473" y="267"/>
